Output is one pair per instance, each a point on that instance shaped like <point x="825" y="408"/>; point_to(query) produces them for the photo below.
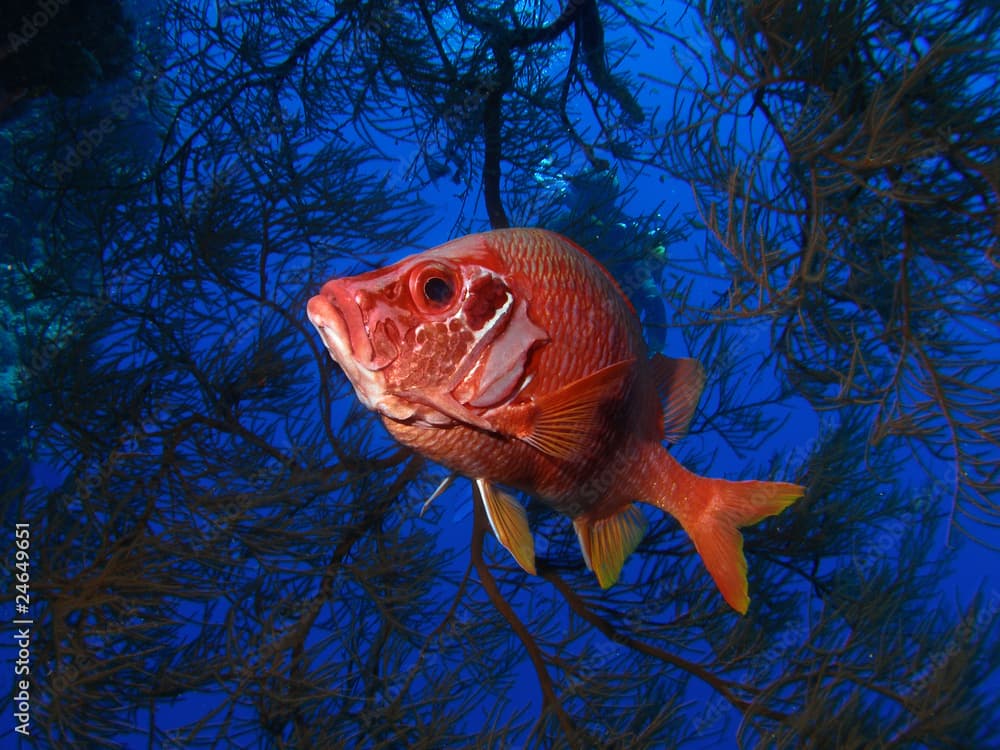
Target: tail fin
<point x="712" y="511"/>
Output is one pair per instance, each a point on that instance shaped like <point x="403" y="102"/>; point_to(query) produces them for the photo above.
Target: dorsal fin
<point x="607" y="543"/>
<point x="679" y="383"/>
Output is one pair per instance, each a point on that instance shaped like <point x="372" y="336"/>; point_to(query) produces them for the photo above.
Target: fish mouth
<point x="335" y="319"/>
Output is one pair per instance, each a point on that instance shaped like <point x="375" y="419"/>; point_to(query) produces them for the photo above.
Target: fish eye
<point x="438" y="291"/>
<point x="434" y="287"/>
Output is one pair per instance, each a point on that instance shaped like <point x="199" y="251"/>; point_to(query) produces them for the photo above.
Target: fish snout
<point x="340" y="323"/>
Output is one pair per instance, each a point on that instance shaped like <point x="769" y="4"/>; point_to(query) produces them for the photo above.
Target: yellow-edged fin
<point x="509" y="523"/>
<point x="563" y="423"/>
<point x="679" y="383"/>
<point x="607" y="543"/>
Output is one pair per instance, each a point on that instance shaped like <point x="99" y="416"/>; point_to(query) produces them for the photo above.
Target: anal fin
<point x="509" y="523"/>
<point x="607" y="543"/>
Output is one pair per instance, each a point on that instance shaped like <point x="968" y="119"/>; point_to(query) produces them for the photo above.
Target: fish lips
<point x="340" y="324"/>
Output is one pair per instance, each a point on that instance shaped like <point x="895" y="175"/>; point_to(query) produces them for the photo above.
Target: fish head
<point x="433" y="339"/>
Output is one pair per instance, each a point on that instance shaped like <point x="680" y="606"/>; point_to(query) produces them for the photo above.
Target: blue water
<point x="221" y="435"/>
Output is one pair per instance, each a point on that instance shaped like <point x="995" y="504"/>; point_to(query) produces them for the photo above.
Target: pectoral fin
<point x="607" y="543"/>
<point x="564" y="423"/>
<point x="509" y="523"/>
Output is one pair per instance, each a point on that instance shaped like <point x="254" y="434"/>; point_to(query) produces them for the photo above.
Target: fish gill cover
<point x="215" y="545"/>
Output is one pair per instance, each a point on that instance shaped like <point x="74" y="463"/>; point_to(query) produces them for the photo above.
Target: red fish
<point x="513" y="358"/>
